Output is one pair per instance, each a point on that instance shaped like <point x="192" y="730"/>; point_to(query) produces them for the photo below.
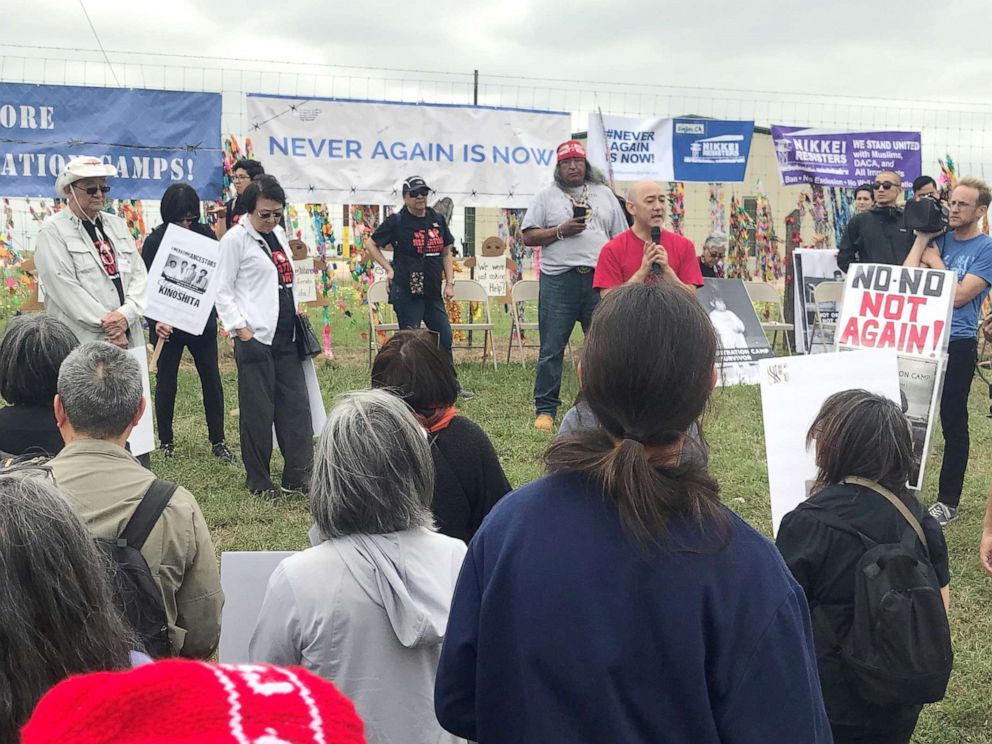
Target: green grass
<point x="504" y="408"/>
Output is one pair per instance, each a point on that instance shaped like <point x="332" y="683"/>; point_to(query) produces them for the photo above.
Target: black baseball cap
<point x="413" y="183"/>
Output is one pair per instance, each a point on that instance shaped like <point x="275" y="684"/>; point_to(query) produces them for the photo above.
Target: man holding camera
<point x="570" y="221"/>
<point x="647" y="254"/>
<point x="877" y="235"/>
<point x="967" y="251"/>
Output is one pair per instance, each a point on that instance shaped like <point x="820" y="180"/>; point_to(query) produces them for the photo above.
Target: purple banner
<point x="844" y="159"/>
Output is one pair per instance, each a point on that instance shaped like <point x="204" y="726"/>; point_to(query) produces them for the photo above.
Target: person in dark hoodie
<point x="616" y="599"/>
<point x="469" y="479"/>
<point x="181" y="207"/>
<point x="877" y="235"/>
<point x="367" y="606"/>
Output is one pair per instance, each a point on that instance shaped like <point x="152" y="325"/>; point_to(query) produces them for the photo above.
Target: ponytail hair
<point x="647" y="374"/>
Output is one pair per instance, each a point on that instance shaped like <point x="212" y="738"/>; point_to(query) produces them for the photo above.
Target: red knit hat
<point x="571" y="149"/>
<point x="189" y="702"/>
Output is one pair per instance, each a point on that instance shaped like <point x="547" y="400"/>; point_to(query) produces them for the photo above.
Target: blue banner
<point x="153" y="137"/>
<point x="709" y="150"/>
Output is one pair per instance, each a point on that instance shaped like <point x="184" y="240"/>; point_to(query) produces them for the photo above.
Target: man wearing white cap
<point x="89" y="268"/>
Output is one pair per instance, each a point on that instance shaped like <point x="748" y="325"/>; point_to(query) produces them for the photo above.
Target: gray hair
<point x="373" y="472"/>
<point x="593" y="175"/>
<point x="31" y="352"/>
<point x="59" y="618"/>
<point x="100" y="387"/>
<point x="717" y="240"/>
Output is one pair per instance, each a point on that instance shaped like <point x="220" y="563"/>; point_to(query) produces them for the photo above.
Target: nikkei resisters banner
<point x="698" y="150"/>
<point x="153" y="137"/>
<point x="828" y="157"/>
<point x="360" y="151"/>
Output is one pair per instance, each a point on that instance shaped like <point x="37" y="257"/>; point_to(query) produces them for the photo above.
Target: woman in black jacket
<point x="863" y="437"/>
<point x="181" y="207"/>
<point x="469" y="478"/>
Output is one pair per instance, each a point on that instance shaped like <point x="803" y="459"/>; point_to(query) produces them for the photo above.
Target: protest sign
<point x="153" y="137"/>
<point x="490" y="272"/>
<point x="701" y="150"/>
<point x="921" y="383"/>
<point x="142" y="438"/>
<point x="305" y="282"/>
<point x="814" y="266"/>
<point x="741" y="337"/>
<point x="244" y="577"/>
<point x="896" y="307"/>
<point x="359" y="151"/>
<point x="827" y="157"/>
<point x="379" y="273"/>
<point x="181" y="281"/>
<point x="793" y="390"/>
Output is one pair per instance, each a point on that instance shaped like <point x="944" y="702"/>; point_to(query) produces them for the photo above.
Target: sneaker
<point x="943" y="513"/>
<point x="465" y="393"/>
<point x="168" y="450"/>
<point x="222" y="453"/>
<point x="266" y="494"/>
<point x="544" y="422"/>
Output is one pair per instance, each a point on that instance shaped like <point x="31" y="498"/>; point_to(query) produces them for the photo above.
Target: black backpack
<point x="136" y="592"/>
<point x="898" y="650"/>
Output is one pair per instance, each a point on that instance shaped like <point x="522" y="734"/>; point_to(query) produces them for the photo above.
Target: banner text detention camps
<point x="153" y="138"/>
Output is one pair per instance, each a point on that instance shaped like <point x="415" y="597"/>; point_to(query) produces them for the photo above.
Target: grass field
<point x="504" y="408"/>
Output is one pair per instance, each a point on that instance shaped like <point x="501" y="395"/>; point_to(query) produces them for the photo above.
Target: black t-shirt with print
<point x="108" y="256"/>
<point x="418" y="245"/>
<point x="285" y="325"/>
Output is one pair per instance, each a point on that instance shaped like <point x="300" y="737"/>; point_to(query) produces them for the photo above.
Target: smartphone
<point x="580" y="213"/>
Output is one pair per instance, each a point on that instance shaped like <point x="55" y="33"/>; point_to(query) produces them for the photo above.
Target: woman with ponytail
<point x="616" y="598"/>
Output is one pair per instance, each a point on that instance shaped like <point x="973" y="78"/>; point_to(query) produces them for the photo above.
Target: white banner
<point x="631" y="149"/>
<point x="360" y="151"/>
<point x="181" y="286"/>
<point x="490" y="272"/>
<point x="793" y="390"/>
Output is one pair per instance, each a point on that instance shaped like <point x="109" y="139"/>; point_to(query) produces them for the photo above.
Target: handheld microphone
<point x="656" y="239"/>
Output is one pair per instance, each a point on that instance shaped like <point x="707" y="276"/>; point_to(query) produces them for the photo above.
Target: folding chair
<point x="525" y="290"/>
<point x="467" y="290"/>
<point x="826" y="292"/>
<point x="768" y="293"/>
<point x="378" y="294"/>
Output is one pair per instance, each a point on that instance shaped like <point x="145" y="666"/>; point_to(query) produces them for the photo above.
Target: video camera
<point x="928" y="215"/>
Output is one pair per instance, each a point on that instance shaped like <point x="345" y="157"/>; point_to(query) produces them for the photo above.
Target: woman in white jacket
<point x="367" y="606"/>
<point x="256" y="304"/>
<point x="93" y="279"/>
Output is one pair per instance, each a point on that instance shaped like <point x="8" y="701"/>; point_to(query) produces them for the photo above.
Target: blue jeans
<point x="564" y="300"/>
<point x="411" y="310"/>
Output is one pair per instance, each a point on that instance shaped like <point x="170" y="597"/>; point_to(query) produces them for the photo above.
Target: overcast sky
<point x="909" y="49"/>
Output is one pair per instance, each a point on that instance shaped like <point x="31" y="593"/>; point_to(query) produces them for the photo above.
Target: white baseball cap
<point x="82" y="167"/>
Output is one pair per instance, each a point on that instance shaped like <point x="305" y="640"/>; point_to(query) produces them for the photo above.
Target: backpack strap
<point x="895" y="501"/>
<point x="150" y="508"/>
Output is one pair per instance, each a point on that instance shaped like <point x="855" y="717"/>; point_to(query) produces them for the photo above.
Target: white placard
<point x="921" y="382"/>
<point x="359" y="151"/>
<point x="244" y="577"/>
<point x="490" y="272"/>
<point x="304" y="281"/>
<point x="181" y="286"/>
<point x="742" y="340"/>
<point x="379" y="273"/>
<point x="814" y="266"/>
<point x="632" y="149"/>
<point x="792" y="391"/>
<point x="142" y="438"/>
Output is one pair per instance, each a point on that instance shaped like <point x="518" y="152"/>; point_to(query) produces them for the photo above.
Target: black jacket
<point x="823" y="561"/>
<point x="875" y="236"/>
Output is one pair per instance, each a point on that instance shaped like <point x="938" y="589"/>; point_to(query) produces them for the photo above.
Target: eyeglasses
<point x="960" y="205"/>
<point x="416" y="193"/>
<point x="92" y="190"/>
<point x="190" y="218"/>
<point x="884" y="185"/>
<point x="241" y="178"/>
<point x="269" y="215"/>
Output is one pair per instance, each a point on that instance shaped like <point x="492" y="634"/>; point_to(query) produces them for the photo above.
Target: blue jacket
<point x="562" y="630"/>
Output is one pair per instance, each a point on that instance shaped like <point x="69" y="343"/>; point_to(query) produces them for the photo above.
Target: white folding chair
<point x="467" y="290"/>
<point x="378" y="294"/>
<point x="768" y="294"/>
<point x="826" y="292"/>
<point x="525" y="290"/>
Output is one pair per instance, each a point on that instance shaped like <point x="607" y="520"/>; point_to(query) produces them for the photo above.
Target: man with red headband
<point x="570" y="221"/>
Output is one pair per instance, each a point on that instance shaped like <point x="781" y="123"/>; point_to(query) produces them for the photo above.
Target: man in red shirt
<point x="633" y="258"/>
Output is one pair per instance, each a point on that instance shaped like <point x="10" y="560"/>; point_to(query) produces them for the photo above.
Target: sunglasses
<point x="92" y="190"/>
<point x="884" y="185"/>
<point x="268" y="215"/>
<point x="418" y="193"/>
